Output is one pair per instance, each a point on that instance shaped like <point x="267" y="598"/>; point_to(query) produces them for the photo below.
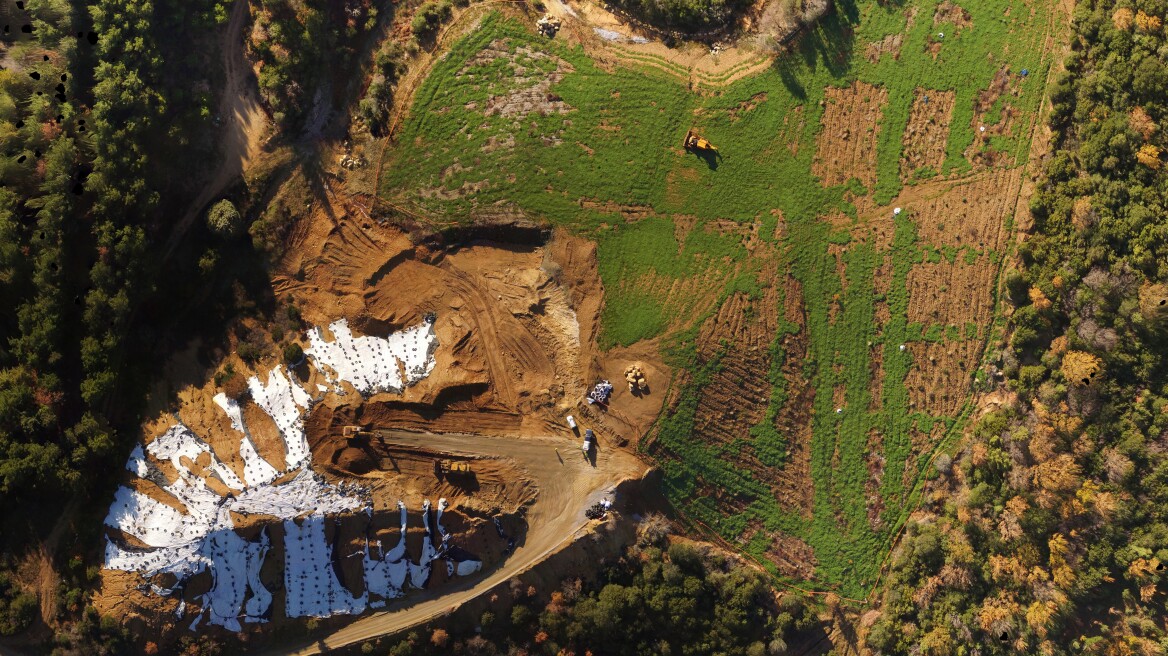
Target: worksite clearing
<point x="814" y="245"/>
<point x="324" y="489"/>
<point x="790" y="261"/>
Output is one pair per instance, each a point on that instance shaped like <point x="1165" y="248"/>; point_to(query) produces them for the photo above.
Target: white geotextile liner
<point x="304" y="494"/>
<point x="231" y="409"/>
<point x="137" y="462"/>
<point x="309" y="577"/>
<point x="195" y="531"/>
<point x="375" y="364"/>
<point x="179" y="442"/>
<point x="285" y="401"/>
<point x="256" y="470"/>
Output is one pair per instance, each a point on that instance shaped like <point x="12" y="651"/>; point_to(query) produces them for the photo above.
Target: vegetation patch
<point x="786" y="225"/>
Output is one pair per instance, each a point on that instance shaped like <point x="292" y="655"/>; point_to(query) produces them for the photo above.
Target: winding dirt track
<point x="244" y="121"/>
<point x="567" y="486"/>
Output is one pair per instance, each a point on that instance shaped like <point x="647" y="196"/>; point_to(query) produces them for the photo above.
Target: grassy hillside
<point x="794" y="210"/>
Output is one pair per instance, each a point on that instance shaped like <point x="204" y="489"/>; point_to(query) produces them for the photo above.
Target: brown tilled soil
<point x="951" y="294"/>
<point x="846" y="146"/>
<point x="792" y="485"/>
<point x="938" y="382"/>
<point x="971" y="212"/>
<point x="736" y="398"/>
<point x="793" y="557"/>
<point x="873" y="497"/>
<point x="927" y="133"/>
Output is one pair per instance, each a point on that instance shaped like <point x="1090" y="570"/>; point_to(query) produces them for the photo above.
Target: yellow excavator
<point x="694" y="141"/>
<point x="354" y="434"/>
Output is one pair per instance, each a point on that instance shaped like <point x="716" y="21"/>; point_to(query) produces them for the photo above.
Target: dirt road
<point x="567" y="485"/>
<point x="244" y="122"/>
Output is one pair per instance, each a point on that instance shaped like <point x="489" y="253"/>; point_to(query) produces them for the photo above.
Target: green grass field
<point x="618" y="146"/>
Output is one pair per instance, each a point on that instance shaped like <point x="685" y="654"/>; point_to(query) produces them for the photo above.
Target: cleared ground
<point x="567" y="485"/>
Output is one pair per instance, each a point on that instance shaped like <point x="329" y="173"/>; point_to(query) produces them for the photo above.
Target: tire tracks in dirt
<point x="244" y="122"/>
<point x="566" y="487"/>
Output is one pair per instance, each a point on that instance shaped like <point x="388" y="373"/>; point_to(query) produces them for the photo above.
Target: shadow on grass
<point x="710" y="157"/>
<point x="828" y="44"/>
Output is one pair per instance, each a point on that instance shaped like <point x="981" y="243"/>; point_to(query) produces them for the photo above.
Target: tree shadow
<point x="827" y="44"/>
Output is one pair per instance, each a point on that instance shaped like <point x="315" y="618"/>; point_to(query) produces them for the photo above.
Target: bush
<point x="224" y="219"/>
<point x="248" y="352"/>
<point x="684" y="14"/>
<point x="19" y="614"/>
<point x="429" y="18"/>
<point x="389" y="61"/>
<point x="293" y="354"/>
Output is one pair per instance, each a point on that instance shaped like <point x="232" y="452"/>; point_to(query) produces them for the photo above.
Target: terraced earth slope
<point x="827" y="342"/>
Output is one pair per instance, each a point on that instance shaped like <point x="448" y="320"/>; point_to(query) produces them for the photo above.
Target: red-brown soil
<point x="846" y="145"/>
<point x="927" y="133"/>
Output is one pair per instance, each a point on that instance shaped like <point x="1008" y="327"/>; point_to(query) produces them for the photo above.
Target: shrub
<point x="429" y="18"/>
<point x="248" y="352"/>
<point x="224" y="219"/>
<point x="19" y="615"/>
<point x="293" y="354"/>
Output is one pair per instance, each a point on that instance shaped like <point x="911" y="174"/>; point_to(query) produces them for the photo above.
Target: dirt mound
<point x="510" y="342"/>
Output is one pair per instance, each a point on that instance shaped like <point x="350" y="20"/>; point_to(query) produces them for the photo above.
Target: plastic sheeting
<point x="188" y="527"/>
<point x="137" y="462"/>
<point x="309" y="577"/>
<point x="375" y="364"/>
<point x="304" y="494"/>
<point x="179" y="442"/>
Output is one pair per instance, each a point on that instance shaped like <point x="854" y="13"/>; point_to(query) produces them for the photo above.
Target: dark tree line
<point x="92" y="119"/>
<point x="672" y="599"/>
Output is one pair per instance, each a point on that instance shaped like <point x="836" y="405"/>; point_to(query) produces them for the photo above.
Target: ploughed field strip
<point x="823" y="274"/>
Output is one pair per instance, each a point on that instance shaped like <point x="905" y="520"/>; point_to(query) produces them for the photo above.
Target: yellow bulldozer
<point x="454" y="467"/>
<point x="694" y="141"/>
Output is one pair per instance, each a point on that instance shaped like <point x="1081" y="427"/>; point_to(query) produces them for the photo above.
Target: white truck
<point x="589" y="437"/>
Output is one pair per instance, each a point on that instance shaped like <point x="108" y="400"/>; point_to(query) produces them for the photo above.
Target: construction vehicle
<point x="355" y="434"/>
<point x="694" y="141"/>
<point x="454" y="468"/>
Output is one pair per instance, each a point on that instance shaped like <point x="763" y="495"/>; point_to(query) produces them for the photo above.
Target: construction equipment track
<point x="567" y="484"/>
